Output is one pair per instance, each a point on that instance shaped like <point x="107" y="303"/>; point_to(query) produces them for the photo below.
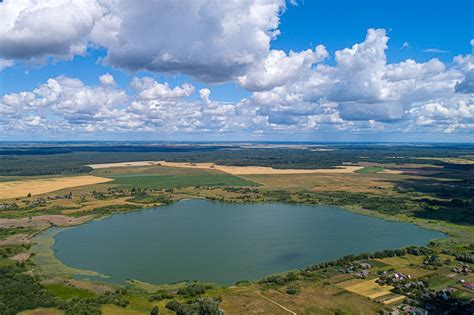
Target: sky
<point x="243" y="70"/>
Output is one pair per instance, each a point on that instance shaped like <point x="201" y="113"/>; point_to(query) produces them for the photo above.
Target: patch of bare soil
<point x="17" y="239"/>
<point x="21" y="257"/>
<point x="43" y="221"/>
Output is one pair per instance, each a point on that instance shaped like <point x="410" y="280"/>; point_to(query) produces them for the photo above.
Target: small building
<point x="469" y="285"/>
<point x="413" y="310"/>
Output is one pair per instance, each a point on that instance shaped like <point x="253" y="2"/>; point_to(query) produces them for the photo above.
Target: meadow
<point x="204" y="178"/>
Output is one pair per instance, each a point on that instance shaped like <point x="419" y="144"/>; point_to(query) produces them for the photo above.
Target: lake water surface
<point x="221" y="242"/>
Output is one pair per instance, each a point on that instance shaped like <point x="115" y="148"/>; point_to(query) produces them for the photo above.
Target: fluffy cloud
<point x="362" y="87"/>
<point x="37" y="29"/>
<point x="212" y="41"/>
<point x="65" y="104"/>
<point x="64" y="100"/>
<point x="466" y="65"/>
<point x="149" y="89"/>
<point x="6" y="63"/>
<point x="291" y="92"/>
<point x="107" y="80"/>
<point x="279" y="68"/>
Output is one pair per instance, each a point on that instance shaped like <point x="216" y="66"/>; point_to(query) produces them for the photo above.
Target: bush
<point x="155" y="310"/>
<point x="192" y="290"/>
<point x="292" y="290"/>
<point x="173" y="305"/>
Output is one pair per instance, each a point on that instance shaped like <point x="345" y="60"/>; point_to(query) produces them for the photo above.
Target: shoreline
<point x="47" y="237"/>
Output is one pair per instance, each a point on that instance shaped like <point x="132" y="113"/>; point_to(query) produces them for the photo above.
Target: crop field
<point x="367" y="288"/>
<point x="235" y="170"/>
<point x="353" y="182"/>
<point x="312" y="299"/>
<point x="158" y="181"/>
<point x="371" y="169"/>
<point x="21" y="188"/>
<point x="246" y="170"/>
<point x="400" y="262"/>
<point x="414" y="272"/>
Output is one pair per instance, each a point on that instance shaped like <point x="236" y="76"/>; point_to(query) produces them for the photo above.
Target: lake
<point x="222" y="242"/>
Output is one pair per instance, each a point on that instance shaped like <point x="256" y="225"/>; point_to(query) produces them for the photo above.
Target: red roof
<point x="469" y="285"/>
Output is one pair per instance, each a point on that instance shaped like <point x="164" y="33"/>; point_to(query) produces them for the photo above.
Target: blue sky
<point x="419" y="30"/>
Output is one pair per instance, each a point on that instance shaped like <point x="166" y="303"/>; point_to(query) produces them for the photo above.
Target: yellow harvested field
<point x="234" y="170"/>
<point x="21" y="188"/>
<point x="368" y="288"/>
<point x="248" y="170"/>
<point x="395" y="300"/>
<point x="396" y="172"/>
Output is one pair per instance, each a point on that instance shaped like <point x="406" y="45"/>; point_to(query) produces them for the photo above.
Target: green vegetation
<point x="371" y="169"/>
<point x="4" y="233"/>
<point x="19" y="292"/>
<point x="201" y="306"/>
<point x="174" y="181"/>
<point x="441" y="198"/>
<point x="193" y="290"/>
<point x="111" y="209"/>
<point x="68" y="292"/>
<point x="11" y="250"/>
<point x="71" y="159"/>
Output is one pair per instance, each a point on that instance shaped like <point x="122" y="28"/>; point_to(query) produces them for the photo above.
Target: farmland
<point x="21" y="188"/>
<point x="204" y="178"/>
<point x="429" y="186"/>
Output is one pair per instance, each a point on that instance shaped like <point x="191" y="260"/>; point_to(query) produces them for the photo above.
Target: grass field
<point x="206" y="178"/>
<point x="67" y="292"/>
<point x="370" y="169"/>
<point x="315" y="298"/>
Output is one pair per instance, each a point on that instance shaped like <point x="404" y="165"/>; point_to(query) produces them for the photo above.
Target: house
<point x="365" y="265"/>
<point x="469" y="285"/>
<point x="413" y="310"/>
<point x="363" y="273"/>
<point x="462" y="268"/>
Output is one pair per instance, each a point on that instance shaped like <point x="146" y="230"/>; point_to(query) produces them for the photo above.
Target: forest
<point x="72" y="159"/>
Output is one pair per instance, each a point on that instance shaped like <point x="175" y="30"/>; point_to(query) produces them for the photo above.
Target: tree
<point x="155" y="310"/>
